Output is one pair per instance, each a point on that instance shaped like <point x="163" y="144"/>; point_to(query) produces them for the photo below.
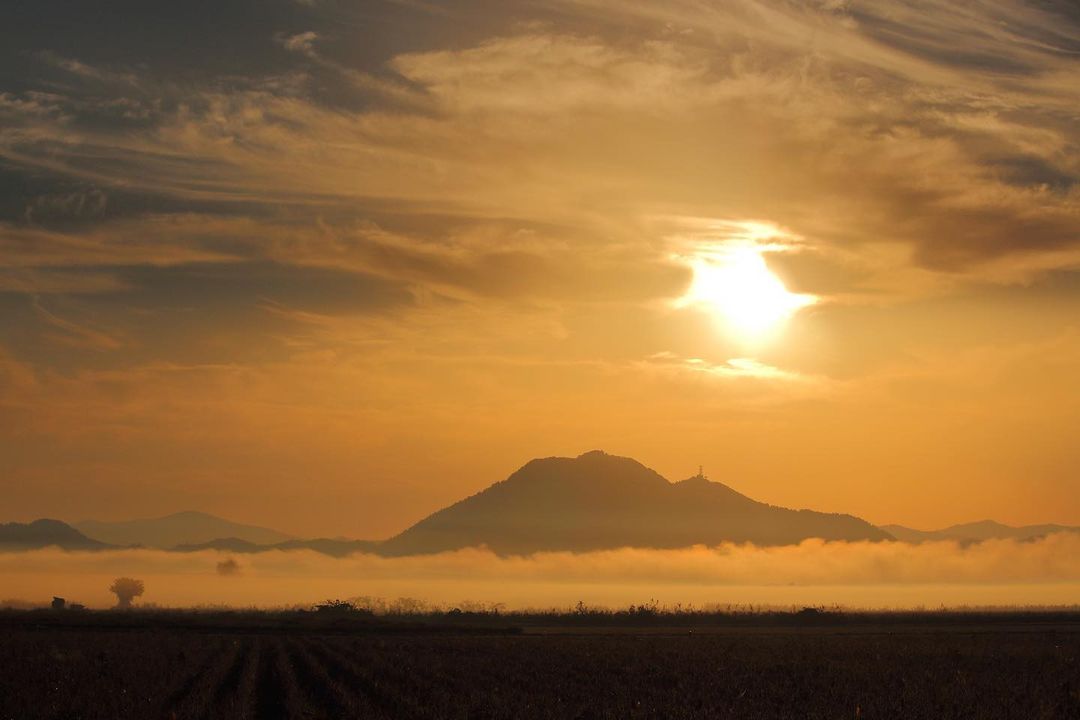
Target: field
<point x="112" y="666"/>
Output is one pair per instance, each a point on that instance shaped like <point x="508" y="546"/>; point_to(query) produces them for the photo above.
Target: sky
<point x="330" y="265"/>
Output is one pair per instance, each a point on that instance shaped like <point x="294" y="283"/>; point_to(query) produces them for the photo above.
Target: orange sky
<point x="330" y="268"/>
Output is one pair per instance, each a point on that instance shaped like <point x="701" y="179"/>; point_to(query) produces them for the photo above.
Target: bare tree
<point x="126" y="589"/>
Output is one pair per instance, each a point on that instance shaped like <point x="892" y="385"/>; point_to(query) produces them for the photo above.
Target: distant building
<point x="58" y="603"/>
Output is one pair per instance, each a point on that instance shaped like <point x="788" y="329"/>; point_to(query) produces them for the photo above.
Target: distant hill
<point x="335" y="547"/>
<point x="182" y="528"/>
<point x="45" y="533"/>
<point x="598" y="501"/>
<point x="233" y="545"/>
<point x="976" y="532"/>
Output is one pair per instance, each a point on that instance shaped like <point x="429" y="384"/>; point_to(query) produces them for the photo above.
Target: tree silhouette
<point x="126" y="589"/>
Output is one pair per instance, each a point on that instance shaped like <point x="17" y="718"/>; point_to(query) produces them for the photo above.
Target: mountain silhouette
<point x="976" y="532"/>
<point x="182" y="528"/>
<point x="45" y="533"/>
<point x="335" y="547"/>
<point x="598" y="501"/>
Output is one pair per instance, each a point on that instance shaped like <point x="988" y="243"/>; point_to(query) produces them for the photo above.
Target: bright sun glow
<point x="737" y="286"/>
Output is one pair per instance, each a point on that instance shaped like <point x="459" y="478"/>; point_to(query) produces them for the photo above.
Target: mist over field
<point x="857" y="575"/>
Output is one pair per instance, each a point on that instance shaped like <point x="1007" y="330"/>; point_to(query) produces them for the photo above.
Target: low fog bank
<point x="860" y="575"/>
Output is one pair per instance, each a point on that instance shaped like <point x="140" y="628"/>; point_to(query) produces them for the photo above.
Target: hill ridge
<point x="186" y="527"/>
<point x="45" y="532"/>
<point x="978" y="531"/>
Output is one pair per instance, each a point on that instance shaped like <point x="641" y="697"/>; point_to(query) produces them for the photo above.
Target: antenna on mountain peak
<point x="701" y="472"/>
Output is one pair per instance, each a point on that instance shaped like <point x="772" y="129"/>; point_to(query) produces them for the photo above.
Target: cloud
<point x="548" y="74"/>
<point x="150" y="240"/>
<point x="303" y="43"/>
<point x="849" y="118"/>
<point x="78" y="205"/>
<point x="85" y="71"/>
<point x="76" y="335"/>
<point x="47" y="281"/>
<point x="731" y="368"/>
<point x="498" y="260"/>
<point x="891" y="574"/>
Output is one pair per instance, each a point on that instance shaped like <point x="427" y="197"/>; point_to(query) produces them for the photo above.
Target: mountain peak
<point x="599" y="501"/>
<point x="697" y="480"/>
<point x="984" y="525"/>
<point x="190" y="514"/>
<point x="590" y="472"/>
<point x="188" y="527"/>
<point x="50" y="524"/>
<point x="978" y="531"/>
<point x="700" y="478"/>
<point x="593" y="455"/>
<point x="45" y="532"/>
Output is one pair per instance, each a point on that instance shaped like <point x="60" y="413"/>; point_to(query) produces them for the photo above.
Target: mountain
<point x="45" y="533"/>
<point x="335" y="547"/>
<point x="230" y="544"/>
<point x="976" y="532"/>
<point x="599" y="501"/>
<point x="183" y="528"/>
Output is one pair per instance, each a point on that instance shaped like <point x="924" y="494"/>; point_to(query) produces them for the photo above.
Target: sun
<point x="735" y="284"/>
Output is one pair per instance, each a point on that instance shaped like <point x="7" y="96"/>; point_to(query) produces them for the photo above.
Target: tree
<point x="126" y="589"/>
<point x="228" y="567"/>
